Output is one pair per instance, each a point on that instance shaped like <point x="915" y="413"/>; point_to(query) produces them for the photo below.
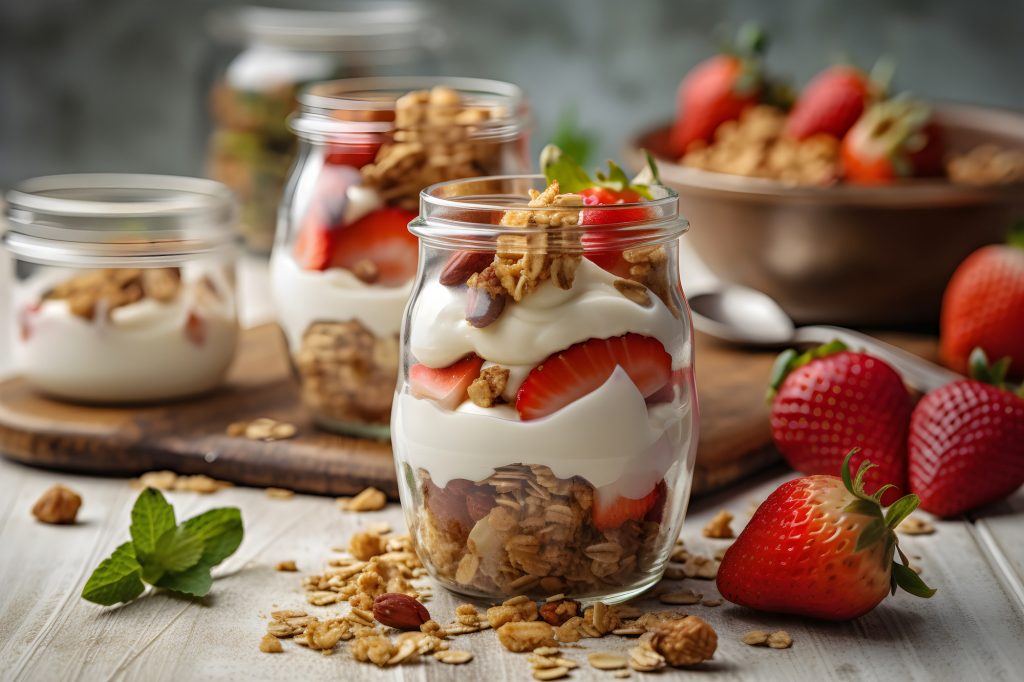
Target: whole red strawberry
<point x="831" y="103"/>
<point x="891" y="140"/>
<point x="967" y="441"/>
<point x="829" y="400"/>
<point x="820" y="547"/>
<point x="984" y="306"/>
<point x="717" y="90"/>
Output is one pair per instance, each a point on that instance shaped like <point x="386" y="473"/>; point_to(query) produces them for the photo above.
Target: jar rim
<point x="65" y="218"/>
<point x="371" y="99"/>
<point x="466" y="212"/>
<point x="367" y="28"/>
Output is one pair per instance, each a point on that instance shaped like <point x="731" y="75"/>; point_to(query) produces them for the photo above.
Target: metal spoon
<point x="745" y="316"/>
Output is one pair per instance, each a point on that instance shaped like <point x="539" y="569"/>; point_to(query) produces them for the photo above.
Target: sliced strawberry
<point x="195" y="329"/>
<point x="582" y="368"/>
<point x="355" y="156"/>
<point x="657" y="511"/>
<point x="446" y="385"/>
<point x="609" y="515"/>
<point x="313" y="248"/>
<point x="315" y="244"/>
<point x="382" y="237"/>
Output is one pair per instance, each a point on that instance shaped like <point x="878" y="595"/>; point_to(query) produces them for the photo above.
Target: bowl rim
<point x="909" y="193"/>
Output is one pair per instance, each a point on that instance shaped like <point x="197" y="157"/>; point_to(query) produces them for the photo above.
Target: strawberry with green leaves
<point x="892" y="140"/>
<point x="602" y="243"/>
<point x="831" y="399"/>
<point x="833" y="101"/>
<point x="967" y="441"/>
<point x="719" y="89"/>
<point x="821" y="547"/>
<point x="984" y="306"/>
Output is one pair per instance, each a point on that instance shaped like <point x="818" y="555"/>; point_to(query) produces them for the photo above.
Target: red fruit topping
<point x="819" y="547"/>
<point x="355" y="156"/>
<point x="446" y="385"/>
<point x="383" y="238"/>
<point x="622" y="509"/>
<point x="831" y="103"/>
<point x="582" y="368"/>
<point x="984" y="307"/>
<point x="967" y="442"/>
<point x="195" y="329"/>
<point x="832" y="400"/>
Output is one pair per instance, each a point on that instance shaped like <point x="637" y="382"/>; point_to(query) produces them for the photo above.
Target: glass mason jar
<point x="545" y="420"/>
<point x="124" y="285"/>
<point x="344" y="260"/>
<point x="251" y="148"/>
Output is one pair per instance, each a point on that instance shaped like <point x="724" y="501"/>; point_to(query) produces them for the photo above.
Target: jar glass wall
<point x="251" y="148"/>
<point x="545" y="421"/>
<point x="344" y="260"/>
<point x="124" y="286"/>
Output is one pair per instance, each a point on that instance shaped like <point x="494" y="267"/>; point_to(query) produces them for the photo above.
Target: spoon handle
<point x="918" y="372"/>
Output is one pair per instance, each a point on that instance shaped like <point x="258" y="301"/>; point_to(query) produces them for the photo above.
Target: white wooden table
<point x="972" y="629"/>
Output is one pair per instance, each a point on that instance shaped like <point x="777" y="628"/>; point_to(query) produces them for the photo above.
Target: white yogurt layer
<point x="142" y="353"/>
<point x="610" y="437"/>
<point x="546" y="321"/>
<point x="303" y="297"/>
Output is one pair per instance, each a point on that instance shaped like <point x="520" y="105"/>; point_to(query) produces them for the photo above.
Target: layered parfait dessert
<point x="344" y="264"/>
<point x="546" y="419"/>
<point x="125" y="334"/>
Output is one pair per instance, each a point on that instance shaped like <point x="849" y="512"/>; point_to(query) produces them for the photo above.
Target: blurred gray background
<point x="121" y="84"/>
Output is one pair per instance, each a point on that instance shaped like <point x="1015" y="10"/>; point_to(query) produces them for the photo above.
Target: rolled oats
<point x="550" y="673"/>
<point x="780" y="639"/>
<point x="643" y="658"/>
<point x="606" y="661"/>
<point x="915" y="525"/>
<point x="280" y="493"/>
<point x="454" y="656"/>
<point x="756" y="638"/>
<point x="684" y="598"/>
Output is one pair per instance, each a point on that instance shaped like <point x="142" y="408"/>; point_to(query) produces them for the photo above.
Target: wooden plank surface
<point x="972" y="629"/>
<point x="189" y="436"/>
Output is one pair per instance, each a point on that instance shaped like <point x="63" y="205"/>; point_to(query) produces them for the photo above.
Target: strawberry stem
<point x="985" y="372"/>
<point x="1015" y="237"/>
<point x="790" y="360"/>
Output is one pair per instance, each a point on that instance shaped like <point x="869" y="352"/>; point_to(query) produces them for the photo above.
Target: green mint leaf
<point x="557" y="165"/>
<point x="221" y="533"/>
<point x="901" y="509"/>
<point x="152" y="516"/>
<point x="910" y="581"/>
<point x="195" y="582"/>
<point x="177" y="550"/>
<point x="118" y="578"/>
<point x="571" y="138"/>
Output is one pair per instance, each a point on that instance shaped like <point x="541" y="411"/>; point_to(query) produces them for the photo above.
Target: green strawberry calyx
<point x="1015" y="237"/>
<point x="791" y="359"/>
<point x="882" y="527"/>
<point x="557" y="165"/>
<point x="980" y="369"/>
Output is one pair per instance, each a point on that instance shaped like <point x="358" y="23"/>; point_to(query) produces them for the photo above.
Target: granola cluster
<point x="348" y="374"/>
<point x="433" y="141"/>
<point x="755" y="146"/>
<point x="987" y="164"/>
<point x="101" y="291"/>
<point x="525" y="531"/>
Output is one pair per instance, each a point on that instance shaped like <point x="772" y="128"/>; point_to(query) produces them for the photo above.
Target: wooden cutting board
<point x="189" y="436"/>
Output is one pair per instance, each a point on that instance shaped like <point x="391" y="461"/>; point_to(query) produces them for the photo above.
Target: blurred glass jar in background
<point x="251" y="148"/>
<point x="124" y="285"/>
<point x="344" y="261"/>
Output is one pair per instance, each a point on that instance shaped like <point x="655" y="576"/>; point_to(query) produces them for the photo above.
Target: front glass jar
<point x="545" y="421"/>
<point x="251" y="148"/>
<point x="344" y="261"/>
<point x="124" y="286"/>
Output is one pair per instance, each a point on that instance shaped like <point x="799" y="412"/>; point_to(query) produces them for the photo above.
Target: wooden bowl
<point x="847" y="254"/>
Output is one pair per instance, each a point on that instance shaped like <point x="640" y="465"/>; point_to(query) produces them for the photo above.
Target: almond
<point x="461" y="264"/>
<point x="400" y="611"/>
<point x="482" y="308"/>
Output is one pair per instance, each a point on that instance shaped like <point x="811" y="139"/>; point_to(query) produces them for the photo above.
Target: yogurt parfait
<point x="344" y="262"/>
<point x="124" y="286"/>
<point x="545" y="421"/>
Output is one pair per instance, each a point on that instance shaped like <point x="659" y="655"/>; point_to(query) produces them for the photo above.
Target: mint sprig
<point x="557" y="165"/>
<point x="165" y="554"/>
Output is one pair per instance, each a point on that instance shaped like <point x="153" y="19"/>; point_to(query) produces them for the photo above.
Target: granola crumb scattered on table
<point x="522" y="636"/>
<point x="369" y="499"/>
<point x="685" y="642"/>
<point x="280" y="493"/>
<point x="720" y="526"/>
<point x="286" y="566"/>
<point x="270" y="644"/>
<point x="915" y="525"/>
